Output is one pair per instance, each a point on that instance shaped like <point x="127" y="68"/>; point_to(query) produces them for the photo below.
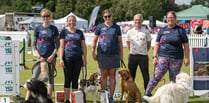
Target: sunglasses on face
<point x="45" y="16"/>
<point x="109" y="16"/>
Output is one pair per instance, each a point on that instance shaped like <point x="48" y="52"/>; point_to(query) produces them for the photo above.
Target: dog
<point x="90" y="85"/>
<point x="38" y="91"/>
<point x="44" y="70"/>
<point x="173" y="92"/>
<point x="129" y="86"/>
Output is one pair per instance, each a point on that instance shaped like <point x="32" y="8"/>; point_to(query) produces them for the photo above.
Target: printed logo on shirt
<point x="104" y="28"/>
<point x="70" y="45"/>
<point x="104" y="38"/>
<point x="70" y="35"/>
<point x="43" y="40"/>
<point x="166" y="32"/>
<point x="43" y="31"/>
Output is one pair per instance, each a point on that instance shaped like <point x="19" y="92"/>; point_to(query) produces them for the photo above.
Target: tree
<point x="51" y="4"/>
<point x="119" y="10"/>
<point x="63" y="7"/>
<point x="202" y="2"/>
<point x="104" y="4"/>
<point x="82" y="10"/>
<point x="6" y="6"/>
<point x="22" y="6"/>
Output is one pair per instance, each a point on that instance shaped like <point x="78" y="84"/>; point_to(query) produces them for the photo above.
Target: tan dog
<point x="44" y="70"/>
<point x="129" y="86"/>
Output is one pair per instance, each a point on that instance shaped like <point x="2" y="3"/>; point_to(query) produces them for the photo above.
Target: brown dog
<point x="129" y="86"/>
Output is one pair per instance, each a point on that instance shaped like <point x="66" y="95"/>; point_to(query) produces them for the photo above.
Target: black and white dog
<point x="38" y="91"/>
<point x="90" y="85"/>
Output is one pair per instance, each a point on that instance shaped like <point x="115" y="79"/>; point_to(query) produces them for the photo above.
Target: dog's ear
<point x="92" y="79"/>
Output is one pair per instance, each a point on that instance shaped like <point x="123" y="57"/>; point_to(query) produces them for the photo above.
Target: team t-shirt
<point x="46" y="39"/>
<point x="171" y="41"/>
<point x="108" y="39"/>
<point x="72" y="44"/>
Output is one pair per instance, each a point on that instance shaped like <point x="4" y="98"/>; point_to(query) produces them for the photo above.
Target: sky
<point x="187" y="2"/>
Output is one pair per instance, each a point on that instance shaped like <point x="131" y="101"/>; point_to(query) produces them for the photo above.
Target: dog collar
<point x="127" y="78"/>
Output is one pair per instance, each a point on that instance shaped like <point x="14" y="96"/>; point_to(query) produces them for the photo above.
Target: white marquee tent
<point x="63" y="21"/>
<point x="145" y="22"/>
<point x="32" y="20"/>
<point x="2" y="22"/>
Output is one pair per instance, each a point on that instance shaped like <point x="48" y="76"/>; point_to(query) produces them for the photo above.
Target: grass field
<point x="91" y="68"/>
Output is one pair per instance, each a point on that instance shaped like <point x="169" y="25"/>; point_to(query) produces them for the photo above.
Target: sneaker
<point x="111" y="100"/>
<point x="67" y="101"/>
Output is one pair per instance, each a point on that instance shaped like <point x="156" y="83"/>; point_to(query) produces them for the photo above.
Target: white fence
<point x="196" y="40"/>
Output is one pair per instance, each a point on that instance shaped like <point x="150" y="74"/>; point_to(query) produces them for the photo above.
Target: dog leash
<point x="84" y="75"/>
<point x="122" y="64"/>
<point x="49" y="65"/>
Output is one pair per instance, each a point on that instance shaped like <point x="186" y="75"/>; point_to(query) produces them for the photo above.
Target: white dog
<point x="173" y="92"/>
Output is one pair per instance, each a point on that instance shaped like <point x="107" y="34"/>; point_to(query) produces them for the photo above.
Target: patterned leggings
<point x="164" y="64"/>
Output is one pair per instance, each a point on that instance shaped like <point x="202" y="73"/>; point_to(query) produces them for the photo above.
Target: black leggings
<point x="72" y="71"/>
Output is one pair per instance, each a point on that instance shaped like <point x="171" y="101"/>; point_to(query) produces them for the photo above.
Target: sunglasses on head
<point x="45" y="16"/>
<point x="107" y="16"/>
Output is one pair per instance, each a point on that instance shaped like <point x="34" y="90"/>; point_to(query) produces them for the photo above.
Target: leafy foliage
<point x="64" y="7"/>
<point x="123" y="10"/>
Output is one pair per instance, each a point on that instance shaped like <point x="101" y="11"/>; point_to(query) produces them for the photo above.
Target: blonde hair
<point x="46" y="11"/>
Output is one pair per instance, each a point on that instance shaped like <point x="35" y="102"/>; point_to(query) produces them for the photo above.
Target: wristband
<point x="154" y="57"/>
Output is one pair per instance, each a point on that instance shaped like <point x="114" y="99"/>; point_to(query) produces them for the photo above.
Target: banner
<point x="93" y="16"/>
<point x="9" y="67"/>
<point x="205" y="24"/>
<point x="200" y="68"/>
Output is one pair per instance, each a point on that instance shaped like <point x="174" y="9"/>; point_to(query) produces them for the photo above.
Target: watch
<point x="154" y="57"/>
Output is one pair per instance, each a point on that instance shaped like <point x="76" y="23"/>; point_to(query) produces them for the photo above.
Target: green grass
<point x="92" y="67"/>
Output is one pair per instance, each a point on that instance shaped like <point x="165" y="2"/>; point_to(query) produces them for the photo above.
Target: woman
<point x="45" y="45"/>
<point x="72" y="55"/>
<point x="168" y="52"/>
<point x="109" y="50"/>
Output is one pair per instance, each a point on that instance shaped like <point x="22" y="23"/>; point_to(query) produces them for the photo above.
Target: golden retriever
<point x="129" y="86"/>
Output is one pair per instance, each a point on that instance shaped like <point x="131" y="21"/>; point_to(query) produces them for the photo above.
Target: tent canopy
<point x="195" y="12"/>
<point x="145" y="22"/>
<point x="32" y="20"/>
<point x="63" y="21"/>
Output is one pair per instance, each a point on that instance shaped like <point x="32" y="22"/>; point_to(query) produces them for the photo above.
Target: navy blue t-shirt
<point x="108" y="39"/>
<point x="46" y="39"/>
<point x="171" y="41"/>
<point x="72" y="44"/>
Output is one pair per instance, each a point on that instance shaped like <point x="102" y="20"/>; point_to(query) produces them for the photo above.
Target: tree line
<point x="123" y="10"/>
